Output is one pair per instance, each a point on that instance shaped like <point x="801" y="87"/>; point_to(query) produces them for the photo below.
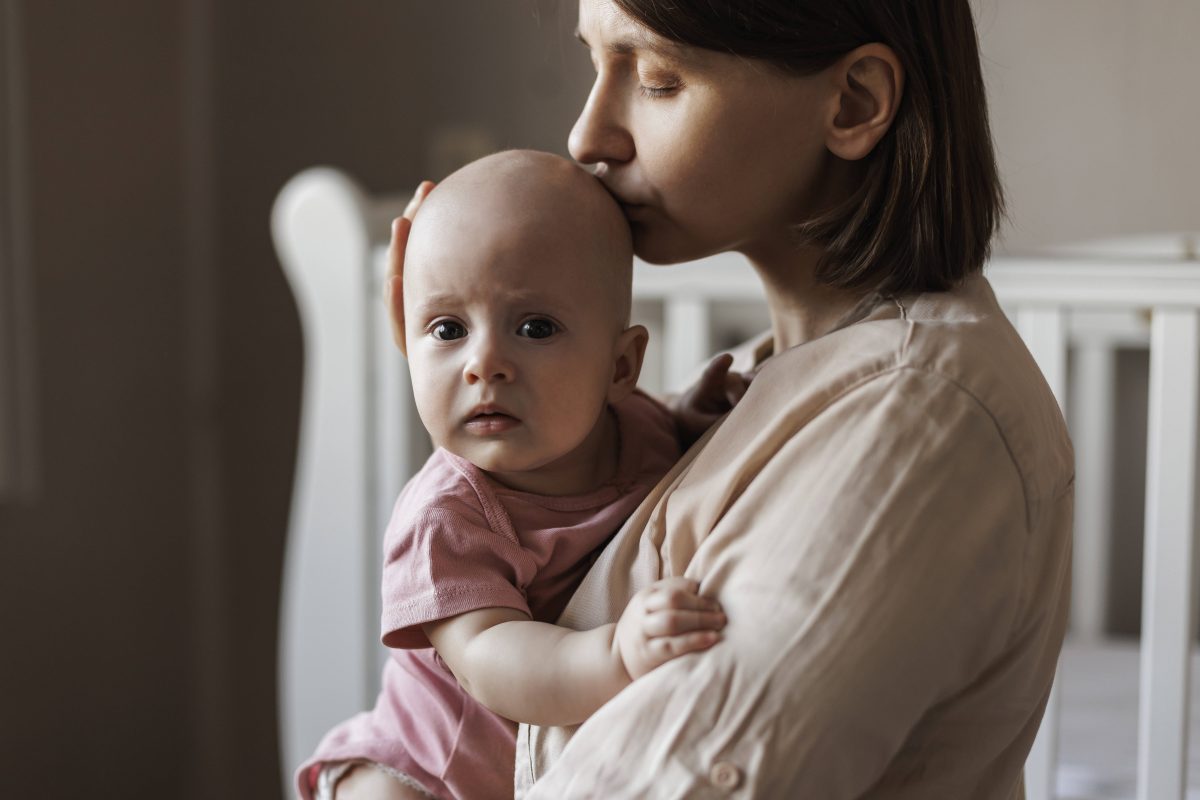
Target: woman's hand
<point x="717" y="391"/>
<point x="666" y="620"/>
<point x="393" y="284"/>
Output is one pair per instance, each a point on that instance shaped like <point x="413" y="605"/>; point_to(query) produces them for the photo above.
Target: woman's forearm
<point x="540" y="673"/>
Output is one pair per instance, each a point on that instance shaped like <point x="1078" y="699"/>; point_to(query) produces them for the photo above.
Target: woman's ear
<point x="869" y="84"/>
<point x="627" y="366"/>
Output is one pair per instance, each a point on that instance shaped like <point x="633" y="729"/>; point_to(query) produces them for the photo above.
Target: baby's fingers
<point x="671" y="622"/>
<point x="667" y="648"/>
<point x="714" y="374"/>
<point x="712" y="388"/>
<point x="736" y="384"/>
<point x="678" y="594"/>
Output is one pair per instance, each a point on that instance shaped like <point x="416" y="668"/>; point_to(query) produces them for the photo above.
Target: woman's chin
<point x="655" y="246"/>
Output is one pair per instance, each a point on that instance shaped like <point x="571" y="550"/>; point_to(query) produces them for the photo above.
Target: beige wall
<point x="1096" y="115"/>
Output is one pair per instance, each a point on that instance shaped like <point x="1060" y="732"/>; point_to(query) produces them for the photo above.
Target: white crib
<point x="360" y="438"/>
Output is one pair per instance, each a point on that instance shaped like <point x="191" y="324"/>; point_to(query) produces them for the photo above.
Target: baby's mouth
<point x="488" y="420"/>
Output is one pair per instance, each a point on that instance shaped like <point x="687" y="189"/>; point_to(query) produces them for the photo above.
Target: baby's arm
<point x="547" y="675"/>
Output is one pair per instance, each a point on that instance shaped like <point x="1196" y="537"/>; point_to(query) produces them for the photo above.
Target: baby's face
<point x="511" y="335"/>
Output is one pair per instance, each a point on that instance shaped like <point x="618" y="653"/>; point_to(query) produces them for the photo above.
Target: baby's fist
<point x="666" y="620"/>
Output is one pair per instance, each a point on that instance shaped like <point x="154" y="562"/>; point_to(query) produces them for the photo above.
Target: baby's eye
<point x="537" y="329"/>
<point x="448" y="331"/>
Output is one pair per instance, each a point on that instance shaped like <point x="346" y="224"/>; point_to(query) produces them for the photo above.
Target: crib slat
<point x="687" y="327"/>
<point x="1044" y="329"/>
<point x="1168" y="589"/>
<point x="1093" y="383"/>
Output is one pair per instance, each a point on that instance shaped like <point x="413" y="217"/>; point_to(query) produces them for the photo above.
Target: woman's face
<point x="706" y="151"/>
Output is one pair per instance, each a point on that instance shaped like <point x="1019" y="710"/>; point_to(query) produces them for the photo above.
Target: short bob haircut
<point x="925" y="213"/>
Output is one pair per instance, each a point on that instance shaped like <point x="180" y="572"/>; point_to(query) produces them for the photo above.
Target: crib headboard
<point x="360" y="439"/>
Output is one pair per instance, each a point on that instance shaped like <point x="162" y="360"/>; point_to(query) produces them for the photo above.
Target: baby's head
<point x="516" y="311"/>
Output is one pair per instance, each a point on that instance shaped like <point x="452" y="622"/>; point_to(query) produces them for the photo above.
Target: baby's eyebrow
<point x="531" y="298"/>
<point x="435" y="300"/>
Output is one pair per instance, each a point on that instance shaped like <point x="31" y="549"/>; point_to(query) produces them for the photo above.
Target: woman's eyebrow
<point x="630" y="44"/>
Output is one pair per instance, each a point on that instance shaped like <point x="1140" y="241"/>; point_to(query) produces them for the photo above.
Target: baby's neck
<point x="586" y="468"/>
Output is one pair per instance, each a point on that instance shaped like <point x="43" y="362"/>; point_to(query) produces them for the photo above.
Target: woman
<point x="885" y="516"/>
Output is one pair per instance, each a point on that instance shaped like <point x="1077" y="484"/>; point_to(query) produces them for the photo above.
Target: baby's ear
<point x="627" y="365"/>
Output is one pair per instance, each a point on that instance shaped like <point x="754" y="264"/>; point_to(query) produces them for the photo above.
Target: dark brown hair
<point x="924" y="216"/>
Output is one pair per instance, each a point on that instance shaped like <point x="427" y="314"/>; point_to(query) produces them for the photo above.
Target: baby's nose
<point x="489" y="364"/>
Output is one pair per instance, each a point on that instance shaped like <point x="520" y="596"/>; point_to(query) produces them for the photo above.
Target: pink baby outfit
<point x="459" y="541"/>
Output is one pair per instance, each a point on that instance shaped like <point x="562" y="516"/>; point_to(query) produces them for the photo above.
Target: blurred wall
<point x="95" y="681"/>
<point x="140" y="590"/>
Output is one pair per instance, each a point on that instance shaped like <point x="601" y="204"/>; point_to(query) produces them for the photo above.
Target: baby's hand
<point x="717" y="391"/>
<point x="665" y="620"/>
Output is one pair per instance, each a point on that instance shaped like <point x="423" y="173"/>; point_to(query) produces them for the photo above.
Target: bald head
<point x="526" y="205"/>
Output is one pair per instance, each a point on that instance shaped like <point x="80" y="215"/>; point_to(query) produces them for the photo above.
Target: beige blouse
<point x="886" y="518"/>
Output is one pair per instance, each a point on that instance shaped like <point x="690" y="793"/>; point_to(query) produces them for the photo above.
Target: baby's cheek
<point x="433" y="410"/>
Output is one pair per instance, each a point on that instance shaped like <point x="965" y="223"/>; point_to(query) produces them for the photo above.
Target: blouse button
<point x="725" y="775"/>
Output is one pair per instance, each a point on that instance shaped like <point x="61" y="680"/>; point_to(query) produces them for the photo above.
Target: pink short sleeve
<point x="438" y="564"/>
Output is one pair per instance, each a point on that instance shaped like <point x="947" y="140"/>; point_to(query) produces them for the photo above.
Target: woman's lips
<point x="487" y="424"/>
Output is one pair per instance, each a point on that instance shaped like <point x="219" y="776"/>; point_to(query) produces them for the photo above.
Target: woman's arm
<point x="546" y="675"/>
<point x="881" y="579"/>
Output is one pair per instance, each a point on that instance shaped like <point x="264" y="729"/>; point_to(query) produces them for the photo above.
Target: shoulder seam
<point x="999" y="432"/>
<point x="1028" y="532"/>
<point x="439" y="511"/>
<point x="867" y="379"/>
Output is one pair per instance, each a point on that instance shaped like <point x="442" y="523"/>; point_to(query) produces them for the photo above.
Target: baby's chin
<point x="501" y="458"/>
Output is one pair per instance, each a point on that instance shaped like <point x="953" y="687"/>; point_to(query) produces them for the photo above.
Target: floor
<point x="1098" y="733"/>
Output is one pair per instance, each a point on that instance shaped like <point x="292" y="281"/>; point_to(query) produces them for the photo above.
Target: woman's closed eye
<point x="538" y="328"/>
<point x="447" y="330"/>
<point x="658" y="86"/>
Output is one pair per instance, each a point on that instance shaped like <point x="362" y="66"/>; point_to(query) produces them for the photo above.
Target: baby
<point x="524" y="367"/>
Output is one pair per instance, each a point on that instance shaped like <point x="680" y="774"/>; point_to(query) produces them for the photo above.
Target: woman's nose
<point x="487" y="363"/>
<point x="600" y="134"/>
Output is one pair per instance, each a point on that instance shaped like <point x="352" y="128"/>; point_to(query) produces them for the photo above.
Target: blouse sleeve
<point x="871" y="568"/>
<point x="440" y="564"/>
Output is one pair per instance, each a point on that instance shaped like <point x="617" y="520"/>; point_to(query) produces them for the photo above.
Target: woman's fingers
<point x="393" y="290"/>
<point x="394" y="297"/>
<point x="422" y="192"/>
